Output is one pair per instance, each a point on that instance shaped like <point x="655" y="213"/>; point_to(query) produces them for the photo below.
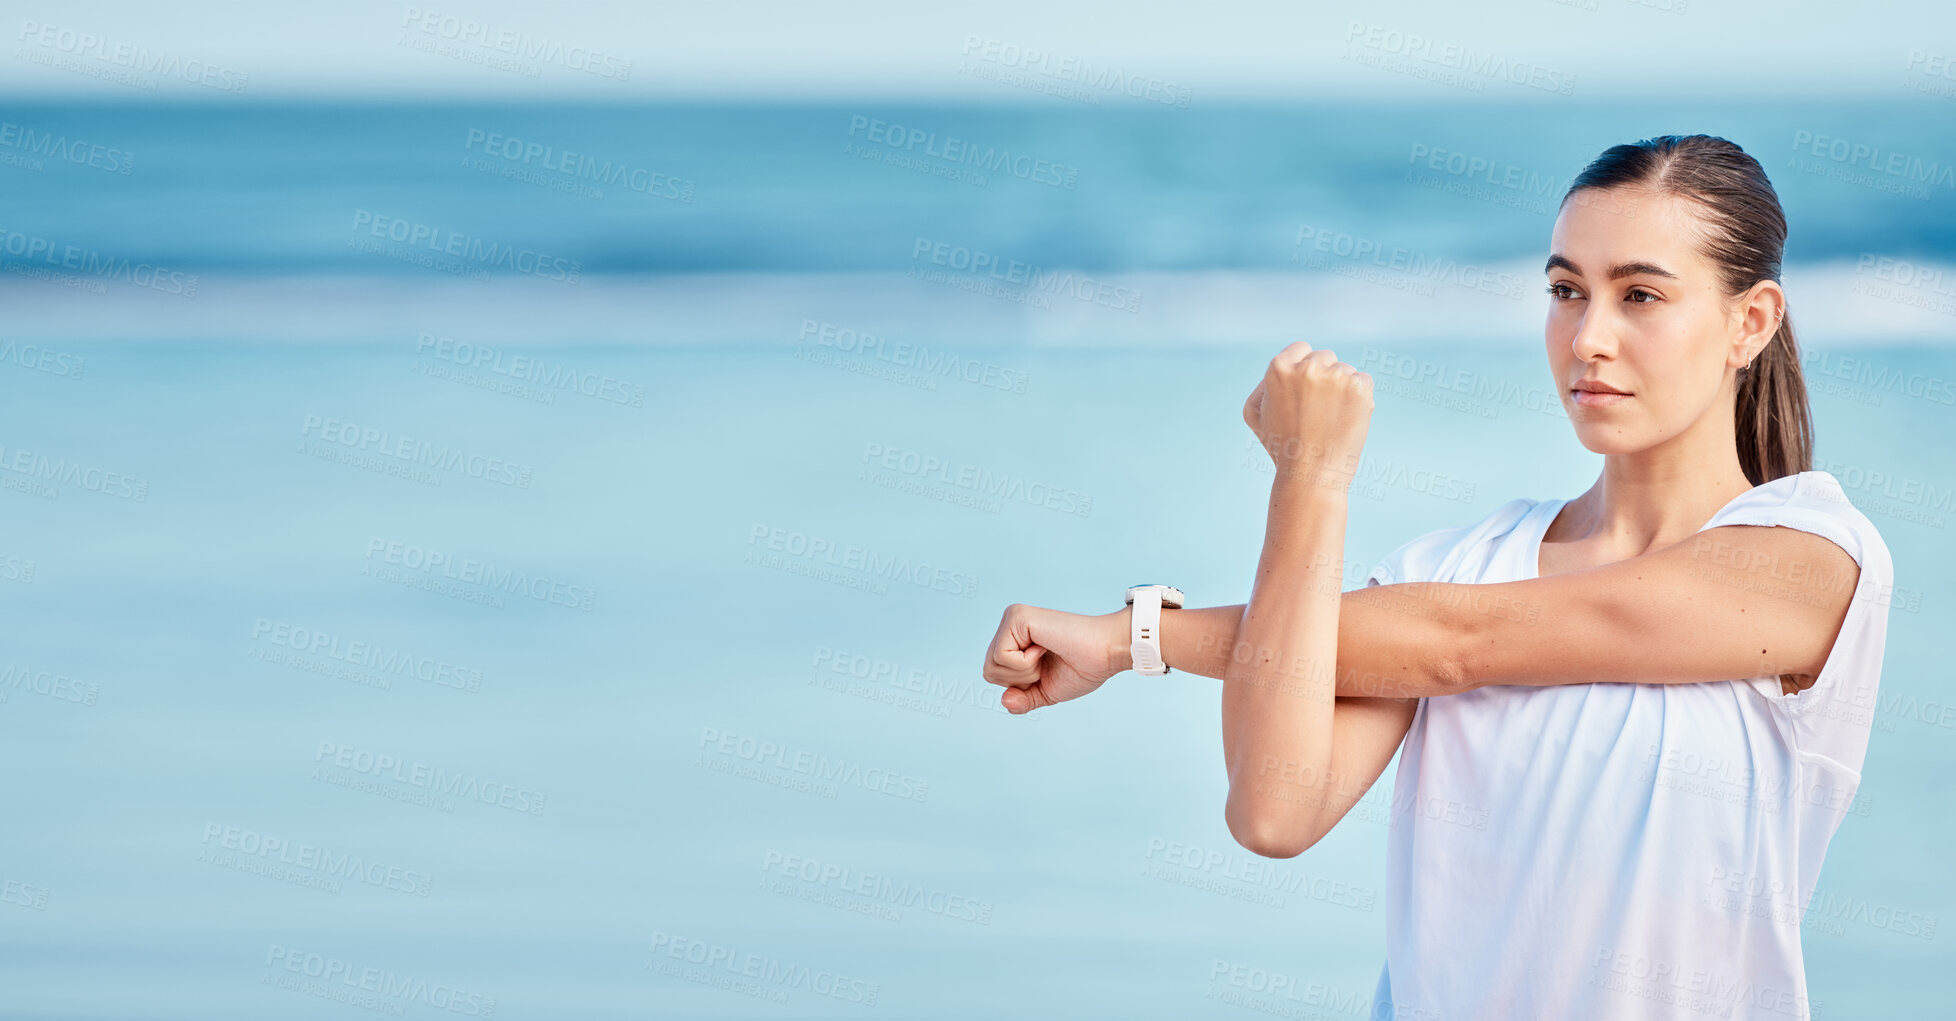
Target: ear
<point x="1759" y="312"/>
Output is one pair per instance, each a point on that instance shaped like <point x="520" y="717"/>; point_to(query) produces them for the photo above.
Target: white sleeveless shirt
<point x="1602" y="851"/>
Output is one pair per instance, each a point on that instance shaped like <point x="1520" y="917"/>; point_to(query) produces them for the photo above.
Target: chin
<point x="1602" y="438"/>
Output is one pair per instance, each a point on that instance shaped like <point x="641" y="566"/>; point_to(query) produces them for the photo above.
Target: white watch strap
<point x="1144" y="633"/>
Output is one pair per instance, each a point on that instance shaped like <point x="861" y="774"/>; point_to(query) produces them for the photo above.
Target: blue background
<point x="1058" y="865"/>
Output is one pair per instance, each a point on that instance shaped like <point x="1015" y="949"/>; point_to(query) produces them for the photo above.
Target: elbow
<point x="1270" y="835"/>
<point x="1431" y="650"/>
<point x="1448" y="663"/>
<point x="1448" y="673"/>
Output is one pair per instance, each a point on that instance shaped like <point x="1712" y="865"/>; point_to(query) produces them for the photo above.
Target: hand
<point x="1311" y="413"/>
<point x="1044" y="657"/>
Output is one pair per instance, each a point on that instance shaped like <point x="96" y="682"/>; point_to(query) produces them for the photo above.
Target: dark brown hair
<point x="1745" y="236"/>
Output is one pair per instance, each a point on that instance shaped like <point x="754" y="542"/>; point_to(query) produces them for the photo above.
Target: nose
<point x="1595" y="335"/>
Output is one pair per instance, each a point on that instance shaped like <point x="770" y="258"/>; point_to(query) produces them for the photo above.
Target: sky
<point x="607" y="51"/>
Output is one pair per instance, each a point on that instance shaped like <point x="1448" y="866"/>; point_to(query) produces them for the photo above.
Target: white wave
<point x="1849" y="303"/>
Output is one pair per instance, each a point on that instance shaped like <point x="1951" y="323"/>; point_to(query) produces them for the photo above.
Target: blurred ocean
<point x="728" y="223"/>
<point x="535" y="561"/>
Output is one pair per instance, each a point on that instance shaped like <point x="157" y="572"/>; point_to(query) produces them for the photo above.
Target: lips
<point x="1591" y="393"/>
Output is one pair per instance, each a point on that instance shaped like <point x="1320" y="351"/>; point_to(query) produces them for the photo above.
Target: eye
<point x="1634" y="291"/>
<point x="1555" y="291"/>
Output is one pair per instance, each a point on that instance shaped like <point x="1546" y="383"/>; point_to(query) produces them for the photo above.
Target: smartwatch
<point x="1144" y="627"/>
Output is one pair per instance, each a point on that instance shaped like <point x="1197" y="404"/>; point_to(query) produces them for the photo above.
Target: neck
<point x="1663" y="494"/>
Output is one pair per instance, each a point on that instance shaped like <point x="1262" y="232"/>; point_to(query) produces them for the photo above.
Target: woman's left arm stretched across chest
<point x="1727" y="603"/>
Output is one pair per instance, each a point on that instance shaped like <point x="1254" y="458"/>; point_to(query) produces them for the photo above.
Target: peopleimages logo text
<point x="35" y="251"/>
<point x="339" y="979"/>
<point x="516" y="43"/>
<point x="581" y="166"/>
<point x="343" y="865"/>
<point x="465" y="246"/>
<point x="980" y="263"/>
<point x="383" y="766"/>
<point x="543" y="372"/>
<point x="476" y="572"/>
<point x="368" y="439"/>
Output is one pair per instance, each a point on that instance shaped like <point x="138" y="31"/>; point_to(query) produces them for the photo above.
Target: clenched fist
<point x="1046" y="656"/>
<point x="1311" y="413"/>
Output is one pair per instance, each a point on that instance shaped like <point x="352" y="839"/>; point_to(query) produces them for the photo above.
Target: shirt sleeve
<point x="1401" y="565"/>
<point x="1832" y="718"/>
<point x="1437" y="554"/>
<point x="1417" y="559"/>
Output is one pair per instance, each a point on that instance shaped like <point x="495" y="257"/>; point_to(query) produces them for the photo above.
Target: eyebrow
<point x="1617" y="272"/>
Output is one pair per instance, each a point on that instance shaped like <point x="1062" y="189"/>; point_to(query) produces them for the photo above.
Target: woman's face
<point x="1634" y="308"/>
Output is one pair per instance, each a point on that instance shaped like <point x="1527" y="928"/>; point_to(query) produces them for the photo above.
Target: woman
<point x="1629" y="722"/>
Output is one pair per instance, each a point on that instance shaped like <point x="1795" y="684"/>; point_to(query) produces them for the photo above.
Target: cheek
<point x="1681" y="373"/>
<point x="1559" y="328"/>
<point x="1557" y="336"/>
<point x="1685" y="352"/>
